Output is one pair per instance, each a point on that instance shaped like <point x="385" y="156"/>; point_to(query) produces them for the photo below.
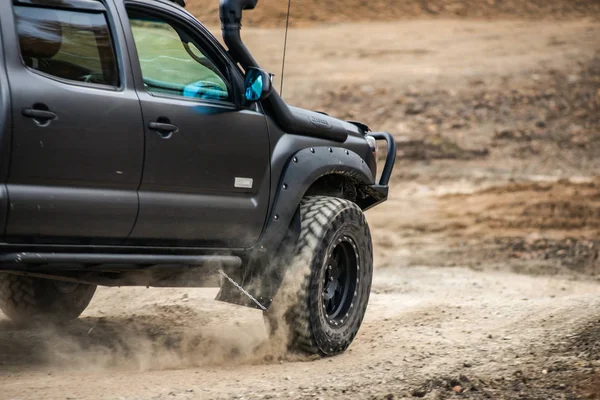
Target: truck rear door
<point x="77" y="133"/>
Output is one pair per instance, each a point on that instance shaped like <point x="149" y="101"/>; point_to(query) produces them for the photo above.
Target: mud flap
<point x="263" y="274"/>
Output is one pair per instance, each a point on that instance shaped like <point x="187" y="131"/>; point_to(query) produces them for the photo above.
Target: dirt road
<point x="423" y="324"/>
<point x="486" y="261"/>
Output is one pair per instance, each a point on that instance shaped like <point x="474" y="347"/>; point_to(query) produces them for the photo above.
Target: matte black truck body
<point x="111" y="183"/>
<point x="5" y="136"/>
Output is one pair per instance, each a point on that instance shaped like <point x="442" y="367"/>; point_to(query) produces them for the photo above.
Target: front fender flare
<point x="268" y="260"/>
<point x="303" y="169"/>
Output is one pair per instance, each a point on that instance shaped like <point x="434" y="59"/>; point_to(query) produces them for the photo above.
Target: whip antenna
<point x="287" y="24"/>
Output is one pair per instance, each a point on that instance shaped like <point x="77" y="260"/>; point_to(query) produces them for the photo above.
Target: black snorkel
<point x="292" y="120"/>
<point x="231" y="24"/>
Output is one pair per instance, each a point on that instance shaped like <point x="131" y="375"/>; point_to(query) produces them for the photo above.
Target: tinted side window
<point x="71" y="45"/>
<point x="173" y="63"/>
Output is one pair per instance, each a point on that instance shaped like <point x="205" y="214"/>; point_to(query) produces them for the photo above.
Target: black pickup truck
<point x="135" y="150"/>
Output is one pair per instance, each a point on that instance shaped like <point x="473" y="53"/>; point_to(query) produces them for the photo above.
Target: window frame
<point x="83" y="7"/>
<point x="204" y="44"/>
<point x="87" y="5"/>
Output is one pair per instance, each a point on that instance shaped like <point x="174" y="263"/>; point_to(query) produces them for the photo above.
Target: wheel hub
<point x="331" y="280"/>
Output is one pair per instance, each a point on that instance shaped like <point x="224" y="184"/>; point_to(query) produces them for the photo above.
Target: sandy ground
<point x="422" y="323"/>
<point x="486" y="253"/>
<point x="428" y="53"/>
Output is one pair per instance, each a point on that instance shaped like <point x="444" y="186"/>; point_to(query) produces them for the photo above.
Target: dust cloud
<point x="165" y="336"/>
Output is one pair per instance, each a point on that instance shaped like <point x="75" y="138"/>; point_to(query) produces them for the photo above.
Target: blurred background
<point x="495" y="107"/>
<point x="486" y="254"/>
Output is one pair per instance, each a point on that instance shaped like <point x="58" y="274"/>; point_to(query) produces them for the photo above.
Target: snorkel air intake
<point x="292" y="120"/>
<point x="231" y="24"/>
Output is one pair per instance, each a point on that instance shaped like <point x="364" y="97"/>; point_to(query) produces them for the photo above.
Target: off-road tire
<point x="24" y="299"/>
<point x="299" y="309"/>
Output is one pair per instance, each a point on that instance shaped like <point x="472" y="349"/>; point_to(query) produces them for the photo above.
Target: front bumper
<point x="378" y="193"/>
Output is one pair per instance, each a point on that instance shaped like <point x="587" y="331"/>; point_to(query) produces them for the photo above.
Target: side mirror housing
<point x="258" y="85"/>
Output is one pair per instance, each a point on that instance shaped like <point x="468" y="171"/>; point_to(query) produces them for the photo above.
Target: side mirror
<point x="258" y="85"/>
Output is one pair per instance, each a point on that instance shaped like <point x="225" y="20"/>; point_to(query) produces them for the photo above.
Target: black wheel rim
<point x="340" y="281"/>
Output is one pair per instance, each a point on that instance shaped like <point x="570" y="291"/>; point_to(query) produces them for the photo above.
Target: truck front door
<point x="206" y="171"/>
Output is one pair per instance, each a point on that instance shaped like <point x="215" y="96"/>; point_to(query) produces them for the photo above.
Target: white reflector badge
<point x="245" y="183"/>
